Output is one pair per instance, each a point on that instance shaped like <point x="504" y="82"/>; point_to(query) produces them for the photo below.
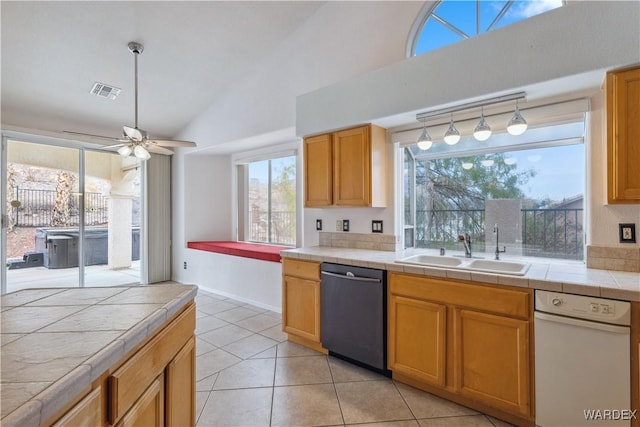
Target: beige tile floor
<point x="247" y="374"/>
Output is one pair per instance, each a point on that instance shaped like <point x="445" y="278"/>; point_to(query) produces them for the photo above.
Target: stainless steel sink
<point x="500" y="267"/>
<point x="432" y="260"/>
<point x="484" y="265"/>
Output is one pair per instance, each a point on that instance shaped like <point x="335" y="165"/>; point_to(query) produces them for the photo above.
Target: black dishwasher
<point x="353" y="322"/>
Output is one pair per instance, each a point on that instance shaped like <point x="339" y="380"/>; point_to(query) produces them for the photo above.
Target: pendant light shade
<point x="125" y="151"/>
<point x="517" y="125"/>
<point x="425" y="142"/>
<point x="452" y="136"/>
<point x="140" y="152"/>
<point x="482" y="132"/>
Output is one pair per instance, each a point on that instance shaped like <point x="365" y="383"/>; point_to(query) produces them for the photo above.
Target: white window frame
<point x="293" y="148"/>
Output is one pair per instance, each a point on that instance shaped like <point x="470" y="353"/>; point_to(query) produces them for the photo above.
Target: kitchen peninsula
<point x="98" y="356"/>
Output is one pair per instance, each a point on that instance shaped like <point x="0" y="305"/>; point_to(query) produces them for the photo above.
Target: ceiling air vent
<point x="105" y="91"/>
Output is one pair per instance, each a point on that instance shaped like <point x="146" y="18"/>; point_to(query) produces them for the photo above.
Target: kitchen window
<point x="531" y="186"/>
<point x="442" y="23"/>
<point x="268" y="200"/>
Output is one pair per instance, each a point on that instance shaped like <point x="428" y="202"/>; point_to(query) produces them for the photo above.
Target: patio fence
<point x="36" y="208"/>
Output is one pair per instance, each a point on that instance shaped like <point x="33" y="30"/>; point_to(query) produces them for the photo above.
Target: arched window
<point x="444" y="22"/>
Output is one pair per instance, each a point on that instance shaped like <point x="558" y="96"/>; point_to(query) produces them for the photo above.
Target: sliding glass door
<point x="72" y="217"/>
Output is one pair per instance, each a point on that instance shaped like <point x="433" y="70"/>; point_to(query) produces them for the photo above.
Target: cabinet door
<point x="623" y="135"/>
<point x="352" y="167"/>
<point x="492" y="360"/>
<point x="301" y="307"/>
<point x="148" y="411"/>
<point x="180" y="387"/>
<point x="87" y="413"/>
<point x="417" y="339"/>
<point x="318" y="171"/>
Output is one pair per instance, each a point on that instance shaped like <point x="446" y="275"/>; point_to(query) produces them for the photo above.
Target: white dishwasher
<point x="582" y="361"/>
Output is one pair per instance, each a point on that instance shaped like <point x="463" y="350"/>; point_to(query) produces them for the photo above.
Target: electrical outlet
<point x="184" y="265"/>
<point x="376" y="226"/>
<point x="345" y="225"/>
<point x="338" y="225"/>
<point x="318" y="225"/>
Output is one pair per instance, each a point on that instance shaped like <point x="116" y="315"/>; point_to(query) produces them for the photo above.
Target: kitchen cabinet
<point x="346" y="168"/>
<point x="623" y="135"/>
<point x="154" y="385"/>
<point x="464" y="341"/>
<point x="301" y="302"/>
<point x="418" y="338"/>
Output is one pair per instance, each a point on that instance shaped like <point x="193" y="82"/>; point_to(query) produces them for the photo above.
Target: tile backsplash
<point x="613" y="258"/>
<point x="377" y="242"/>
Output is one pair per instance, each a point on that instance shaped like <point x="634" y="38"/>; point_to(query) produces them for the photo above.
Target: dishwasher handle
<point x="583" y="323"/>
<point x="350" y="276"/>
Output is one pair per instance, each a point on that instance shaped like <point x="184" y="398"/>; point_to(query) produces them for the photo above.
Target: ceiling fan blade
<point x="159" y="150"/>
<point x="134" y="133"/>
<point x="172" y="143"/>
<point x="95" y="136"/>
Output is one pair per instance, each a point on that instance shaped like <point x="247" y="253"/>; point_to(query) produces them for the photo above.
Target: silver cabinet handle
<point x="351" y="277"/>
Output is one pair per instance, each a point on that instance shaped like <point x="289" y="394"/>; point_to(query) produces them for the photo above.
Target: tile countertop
<point x="550" y="275"/>
<point x="55" y="342"/>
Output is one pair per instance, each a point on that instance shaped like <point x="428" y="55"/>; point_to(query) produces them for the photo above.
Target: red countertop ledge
<point x="241" y="249"/>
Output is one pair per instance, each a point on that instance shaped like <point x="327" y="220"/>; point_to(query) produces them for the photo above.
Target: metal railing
<point x="553" y="233"/>
<point x="548" y="233"/>
<point x="37" y="208"/>
<point x="279" y="227"/>
<point x="439" y="228"/>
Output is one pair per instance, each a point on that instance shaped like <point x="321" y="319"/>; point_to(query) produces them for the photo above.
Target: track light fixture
<point x="517" y="125"/>
<point x="452" y="136"/>
<point x="482" y="132"/>
<point x="425" y="142"/>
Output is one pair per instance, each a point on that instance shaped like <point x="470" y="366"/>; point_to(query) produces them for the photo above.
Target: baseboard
<point x="241" y="299"/>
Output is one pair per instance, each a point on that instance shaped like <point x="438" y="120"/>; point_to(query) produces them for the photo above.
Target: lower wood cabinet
<point x="301" y="302"/>
<point x="418" y="338"/>
<point x="467" y="342"/>
<point x="148" y="410"/>
<point x="152" y="386"/>
<point x="492" y="360"/>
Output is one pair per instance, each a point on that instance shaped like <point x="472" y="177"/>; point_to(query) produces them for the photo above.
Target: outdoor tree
<point x="62" y="208"/>
<point x="450" y="197"/>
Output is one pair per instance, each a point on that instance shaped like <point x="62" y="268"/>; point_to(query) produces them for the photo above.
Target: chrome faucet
<point x="466" y="239"/>
<point x="504" y="248"/>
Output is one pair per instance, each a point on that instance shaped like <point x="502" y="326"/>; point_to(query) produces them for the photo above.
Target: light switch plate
<point x="318" y="225"/>
<point x="338" y="225"/>
<point x="376" y="226"/>
<point x="345" y="225"/>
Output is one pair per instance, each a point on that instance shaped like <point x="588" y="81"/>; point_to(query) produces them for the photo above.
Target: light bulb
<point x="425" y="142"/>
<point x="141" y="153"/>
<point x="452" y="136"/>
<point x="125" y="150"/>
<point x="487" y="163"/>
<point x="482" y="132"/>
<point x="510" y="161"/>
<point x="466" y="166"/>
<point x="517" y="125"/>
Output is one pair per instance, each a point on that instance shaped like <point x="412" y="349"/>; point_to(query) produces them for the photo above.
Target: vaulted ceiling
<point x="53" y="52"/>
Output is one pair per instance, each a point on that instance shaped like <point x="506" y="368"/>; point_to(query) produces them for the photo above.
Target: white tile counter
<point x="553" y="275"/>
<point x="55" y="342"/>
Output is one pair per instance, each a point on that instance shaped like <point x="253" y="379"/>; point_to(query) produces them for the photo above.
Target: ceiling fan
<point x="136" y="141"/>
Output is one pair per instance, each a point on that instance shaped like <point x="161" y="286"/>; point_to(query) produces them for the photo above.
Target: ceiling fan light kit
<point x="135" y="141"/>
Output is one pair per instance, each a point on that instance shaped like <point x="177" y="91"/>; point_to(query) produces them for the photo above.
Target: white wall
<point x="554" y="53"/>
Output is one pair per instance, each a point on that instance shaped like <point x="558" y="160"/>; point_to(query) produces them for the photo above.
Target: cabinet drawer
<point x="87" y="413"/>
<point x="486" y="298"/>
<point x="128" y="383"/>
<point x="303" y="269"/>
<point x="148" y="411"/>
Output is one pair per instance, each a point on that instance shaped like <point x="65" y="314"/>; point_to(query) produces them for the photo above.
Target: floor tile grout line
<point x="335" y="390"/>
<point x="273" y="388"/>
<point x="404" y="400"/>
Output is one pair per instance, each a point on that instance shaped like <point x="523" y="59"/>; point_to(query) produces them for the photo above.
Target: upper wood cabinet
<point x="623" y="135"/>
<point x="346" y="168"/>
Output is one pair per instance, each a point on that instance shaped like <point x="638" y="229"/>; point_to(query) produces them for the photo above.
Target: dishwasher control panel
<point x="583" y="307"/>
